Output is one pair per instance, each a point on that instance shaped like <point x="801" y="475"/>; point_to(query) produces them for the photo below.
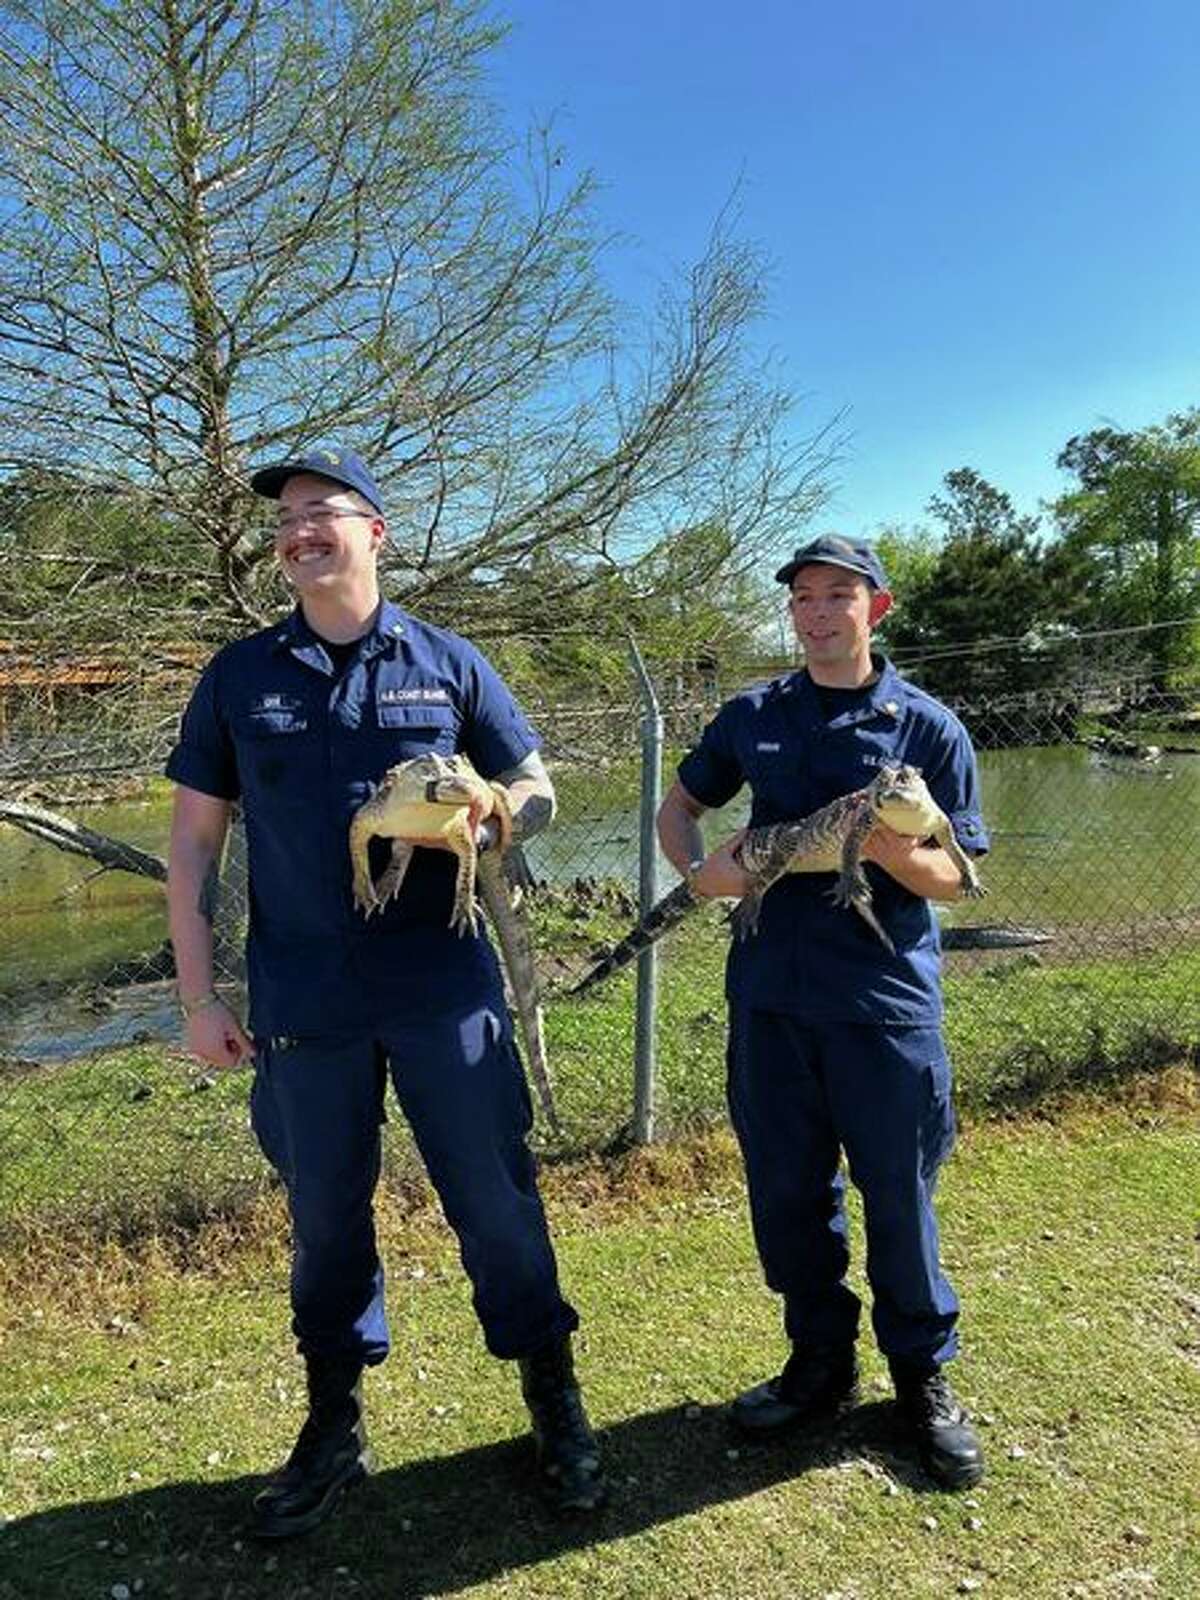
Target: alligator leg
<point x="392" y="880"/>
<point x="743" y="919"/>
<point x="459" y="834"/>
<point x="364" y="889"/>
<point x="972" y="888"/>
<point x="852" y="887"/>
<point x="764" y="854"/>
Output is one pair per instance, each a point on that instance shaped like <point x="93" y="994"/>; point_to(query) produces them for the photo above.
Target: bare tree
<point x="232" y="228"/>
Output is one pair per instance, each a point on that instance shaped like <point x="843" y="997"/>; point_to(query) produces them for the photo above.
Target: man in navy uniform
<point x="834" y="1044"/>
<point x="296" y="723"/>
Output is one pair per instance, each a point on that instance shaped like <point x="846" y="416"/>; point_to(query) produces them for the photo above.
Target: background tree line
<point x="989" y="600"/>
<point x="231" y="230"/>
<point x="1116" y="555"/>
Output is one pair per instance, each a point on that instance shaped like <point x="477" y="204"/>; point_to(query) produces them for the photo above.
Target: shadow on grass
<point x="429" y="1527"/>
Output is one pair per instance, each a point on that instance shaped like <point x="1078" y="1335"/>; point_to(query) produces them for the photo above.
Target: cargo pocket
<point x="939" y="1125"/>
<point x="265" y="1120"/>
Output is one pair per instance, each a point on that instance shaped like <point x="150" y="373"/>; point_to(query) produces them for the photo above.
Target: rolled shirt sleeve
<point x="496" y="734"/>
<point x="204" y="757"/>
<point x="954" y="783"/>
<point x="712" y="772"/>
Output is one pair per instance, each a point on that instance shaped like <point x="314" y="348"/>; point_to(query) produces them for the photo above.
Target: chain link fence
<point x="1084" y="958"/>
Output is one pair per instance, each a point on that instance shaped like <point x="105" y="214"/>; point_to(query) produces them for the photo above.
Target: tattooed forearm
<point x="531" y="816"/>
<point x="531" y="795"/>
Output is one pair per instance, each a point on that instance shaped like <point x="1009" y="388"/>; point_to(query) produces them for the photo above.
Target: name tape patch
<point x="275" y="702"/>
<point x="414" y="697"/>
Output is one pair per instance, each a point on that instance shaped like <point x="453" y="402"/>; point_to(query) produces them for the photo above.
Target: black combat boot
<point x="330" y="1455"/>
<point x="818" y="1381"/>
<point x="567" y="1452"/>
<point x="948" y="1445"/>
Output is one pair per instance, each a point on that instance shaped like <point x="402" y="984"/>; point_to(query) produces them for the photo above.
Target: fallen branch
<point x="80" y="841"/>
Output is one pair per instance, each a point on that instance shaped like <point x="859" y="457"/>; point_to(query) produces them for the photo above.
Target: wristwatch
<point x="693" y="867"/>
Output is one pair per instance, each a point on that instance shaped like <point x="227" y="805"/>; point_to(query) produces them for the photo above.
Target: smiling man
<point x="835" y="1043"/>
<point x="297" y="723"/>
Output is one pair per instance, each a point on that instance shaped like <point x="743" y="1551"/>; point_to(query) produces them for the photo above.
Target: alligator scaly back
<point x="828" y="840"/>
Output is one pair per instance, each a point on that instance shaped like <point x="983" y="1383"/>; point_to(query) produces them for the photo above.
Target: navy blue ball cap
<point x="342" y="466"/>
<point x="832" y="550"/>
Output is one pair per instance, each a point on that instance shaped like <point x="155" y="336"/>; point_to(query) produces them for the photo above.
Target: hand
<point x="485" y="830"/>
<point x="721" y="877"/>
<point x="889" y="849"/>
<point x="215" y="1035"/>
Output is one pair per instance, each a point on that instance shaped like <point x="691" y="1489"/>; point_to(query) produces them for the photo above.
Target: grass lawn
<point x="136" y="1139"/>
<point x="141" y="1395"/>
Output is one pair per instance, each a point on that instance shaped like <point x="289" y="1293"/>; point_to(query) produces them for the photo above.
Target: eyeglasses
<point x="319" y="518"/>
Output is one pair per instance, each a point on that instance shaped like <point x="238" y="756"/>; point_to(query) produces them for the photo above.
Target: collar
<point x="388" y="629"/>
<point x="883" y="698"/>
<point x="886" y="697"/>
<point x="385" y="633"/>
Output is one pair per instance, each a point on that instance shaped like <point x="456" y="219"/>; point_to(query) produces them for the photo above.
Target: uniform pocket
<point x="939" y="1123"/>
<point x="274" y="715"/>
<point x="410" y="728"/>
<point x="272" y="724"/>
<point x="265" y="1120"/>
<point x="279" y="755"/>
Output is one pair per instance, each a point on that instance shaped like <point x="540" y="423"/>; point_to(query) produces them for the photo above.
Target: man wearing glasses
<point x="297" y="723"/>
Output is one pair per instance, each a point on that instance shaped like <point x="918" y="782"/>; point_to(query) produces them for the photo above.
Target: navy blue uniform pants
<point x="799" y="1095"/>
<point x="317" y="1108"/>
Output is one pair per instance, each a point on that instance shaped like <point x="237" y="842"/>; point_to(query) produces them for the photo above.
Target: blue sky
<point x="983" y="218"/>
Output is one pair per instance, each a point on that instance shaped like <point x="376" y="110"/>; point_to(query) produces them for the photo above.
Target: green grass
<point x="1018" y="1030"/>
<point x="139" y="1138"/>
<point x="124" y="1139"/>
<point x="139" y="1402"/>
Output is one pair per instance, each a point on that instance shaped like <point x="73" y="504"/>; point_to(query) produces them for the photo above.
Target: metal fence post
<point x="647" y="973"/>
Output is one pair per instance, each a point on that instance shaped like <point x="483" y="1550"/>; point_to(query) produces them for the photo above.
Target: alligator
<point x="433" y="796"/>
<point x="828" y="840"/>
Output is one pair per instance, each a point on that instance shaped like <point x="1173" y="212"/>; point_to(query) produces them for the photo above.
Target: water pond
<point x="1078" y="839"/>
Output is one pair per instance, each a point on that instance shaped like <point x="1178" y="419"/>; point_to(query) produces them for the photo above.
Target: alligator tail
<point x="664" y="915"/>
<point x="512" y="932"/>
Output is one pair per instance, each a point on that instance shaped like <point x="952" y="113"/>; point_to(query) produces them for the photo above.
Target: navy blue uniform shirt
<point x="809" y="957"/>
<point x="271" y="724"/>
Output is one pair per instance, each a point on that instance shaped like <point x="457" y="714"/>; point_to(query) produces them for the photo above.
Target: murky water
<point x="1076" y="840"/>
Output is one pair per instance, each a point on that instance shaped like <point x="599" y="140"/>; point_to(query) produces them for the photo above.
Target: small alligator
<point x="435" y="796"/>
<point x="829" y="840"/>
